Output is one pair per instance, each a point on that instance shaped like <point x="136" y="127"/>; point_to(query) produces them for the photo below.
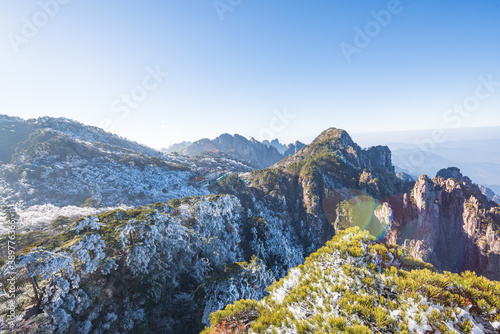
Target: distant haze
<point x="476" y="151"/>
<point x="161" y="72"/>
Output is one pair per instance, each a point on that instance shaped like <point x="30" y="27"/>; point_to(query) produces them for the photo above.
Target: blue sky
<point x="264" y="58"/>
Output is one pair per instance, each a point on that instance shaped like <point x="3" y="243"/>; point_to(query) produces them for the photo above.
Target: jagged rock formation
<point x="252" y="151"/>
<point x="449" y="222"/>
<point x="258" y="154"/>
<point x="291" y="149"/>
<point x="333" y="183"/>
<point x="275" y="143"/>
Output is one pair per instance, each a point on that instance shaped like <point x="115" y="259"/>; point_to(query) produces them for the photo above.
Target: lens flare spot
<point x="360" y="211"/>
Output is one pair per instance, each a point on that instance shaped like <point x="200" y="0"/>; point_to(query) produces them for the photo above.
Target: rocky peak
<point x="276" y="143"/>
<point x="454" y="173"/>
<point x="335" y="137"/>
<point x="377" y="158"/>
<point x="291" y="149"/>
<point x="380" y="158"/>
<point x="423" y="192"/>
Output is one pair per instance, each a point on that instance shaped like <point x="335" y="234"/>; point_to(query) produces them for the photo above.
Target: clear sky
<point x="233" y="65"/>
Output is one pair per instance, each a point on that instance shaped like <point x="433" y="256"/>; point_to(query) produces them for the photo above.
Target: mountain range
<point x="257" y="154"/>
<point x="134" y="240"/>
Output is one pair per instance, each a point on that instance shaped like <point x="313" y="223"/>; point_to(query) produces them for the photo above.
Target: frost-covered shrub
<point x="88" y="223"/>
<point x="353" y="285"/>
<point x="90" y="252"/>
<point x="155" y="256"/>
<point x="218" y="228"/>
<point x="274" y="241"/>
<point x="141" y="240"/>
<point x="240" y="281"/>
<point x="131" y="318"/>
<point x="40" y="217"/>
<point x="55" y="292"/>
<point x="108" y="265"/>
<point x="61" y="319"/>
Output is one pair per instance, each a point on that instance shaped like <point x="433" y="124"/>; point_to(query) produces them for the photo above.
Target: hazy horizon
<point x="259" y="69"/>
<point x="364" y="139"/>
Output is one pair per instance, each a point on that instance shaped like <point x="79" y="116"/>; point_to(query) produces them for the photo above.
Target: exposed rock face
<point x="276" y="143"/>
<point x="291" y="149"/>
<point x="339" y="142"/>
<point x="380" y="158"/>
<point x="454" y="173"/>
<point x="258" y="154"/>
<point x="252" y="151"/>
<point x="449" y="222"/>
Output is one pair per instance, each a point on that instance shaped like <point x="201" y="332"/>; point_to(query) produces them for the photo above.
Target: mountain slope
<point x="66" y="163"/>
<point x="313" y="182"/>
<point x="171" y="265"/>
<point x="62" y="167"/>
<point x="353" y="285"/>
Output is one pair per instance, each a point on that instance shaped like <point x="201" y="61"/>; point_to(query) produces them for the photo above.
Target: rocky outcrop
<point x="449" y="222"/>
<point x="404" y="177"/>
<point x="338" y="142"/>
<point x="291" y="149"/>
<point x="276" y="144"/>
<point x="258" y="154"/>
<point x="252" y="151"/>
<point x="380" y="158"/>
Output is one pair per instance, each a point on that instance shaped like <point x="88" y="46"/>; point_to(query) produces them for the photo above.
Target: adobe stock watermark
<point x="9" y="270"/>
<point x="277" y="124"/>
<point x="32" y="25"/>
<point x="224" y="6"/>
<point x="123" y="106"/>
<point x="365" y="35"/>
<point x="454" y="118"/>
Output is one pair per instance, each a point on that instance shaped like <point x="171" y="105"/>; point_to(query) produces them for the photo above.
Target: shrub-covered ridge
<point x="355" y="285"/>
